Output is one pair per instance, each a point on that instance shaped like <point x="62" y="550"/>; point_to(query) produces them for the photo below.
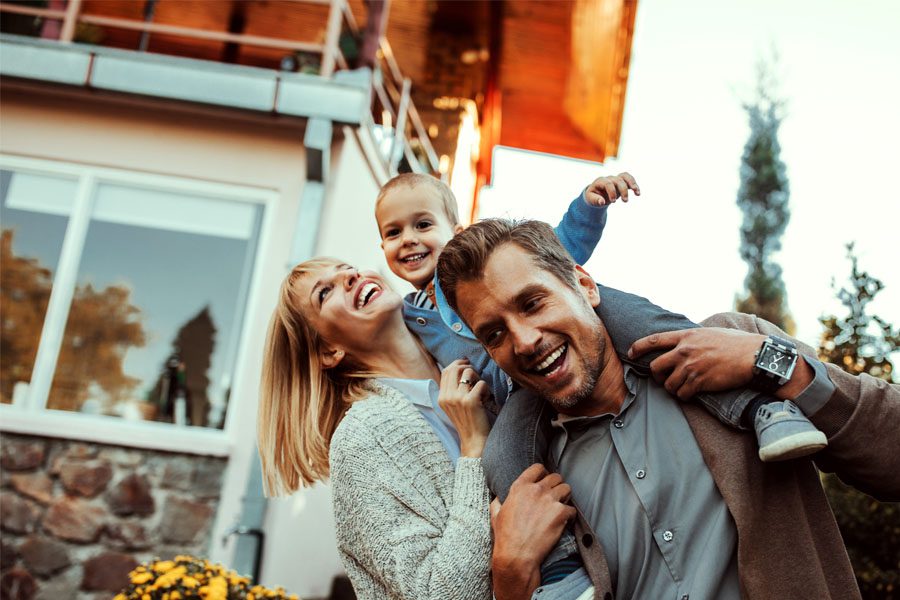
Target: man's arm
<point x="859" y="414"/>
<point x="525" y="528"/>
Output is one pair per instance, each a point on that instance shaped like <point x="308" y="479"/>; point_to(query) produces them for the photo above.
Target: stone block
<point x="128" y="535"/>
<point x="178" y="473"/>
<point x="17" y="514"/>
<point x="44" y="556"/>
<point x="208" y="479"/>
<point x="22" y="454"/>
<point x="17" y="584"/>
<point x="36" y="486"/>
<point x="74" y="520"/>
<point x="85" y="478"/>
<point x="9" y="555"/>
<point x="184" y="521"/>
<point x="122" y="457"/>
<point x="107" y="572"/>
<point x="131" y="496"/>
<point x="63" y="586"/>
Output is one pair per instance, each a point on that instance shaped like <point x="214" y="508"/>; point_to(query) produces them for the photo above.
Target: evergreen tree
<point x="859" y="343"/>
<point x="763" y="198"/>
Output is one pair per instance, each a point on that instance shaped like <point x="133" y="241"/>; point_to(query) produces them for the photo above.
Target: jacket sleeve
<point x="581" y="229"/>
<point x="860" y="420"/>
<point x="407" y="550"/>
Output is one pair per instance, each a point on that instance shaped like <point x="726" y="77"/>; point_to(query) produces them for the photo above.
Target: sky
<point x="683" y="135"/>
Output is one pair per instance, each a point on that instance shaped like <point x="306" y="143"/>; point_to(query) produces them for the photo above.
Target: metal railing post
<point x="332" y="38"/>
<point x="70" y="21"/>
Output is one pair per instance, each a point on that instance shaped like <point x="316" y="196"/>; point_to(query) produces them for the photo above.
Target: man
<point x="679" y="505"/>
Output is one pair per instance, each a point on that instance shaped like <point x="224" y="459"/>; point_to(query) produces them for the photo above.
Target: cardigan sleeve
<point x="387" y="534"/>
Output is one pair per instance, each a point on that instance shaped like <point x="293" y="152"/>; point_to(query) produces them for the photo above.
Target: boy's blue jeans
<point x="520" y="436"/>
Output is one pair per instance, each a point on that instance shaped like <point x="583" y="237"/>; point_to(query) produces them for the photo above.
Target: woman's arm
<point x="393" y="529"/>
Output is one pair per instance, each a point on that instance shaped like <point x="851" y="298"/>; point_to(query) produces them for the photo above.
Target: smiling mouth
<point x="414" y="259"/>
<point x="551" y="363"/>
<point x="367" y="294"/>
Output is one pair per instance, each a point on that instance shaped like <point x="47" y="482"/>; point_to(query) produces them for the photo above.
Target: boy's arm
<point x="582" y="225"/>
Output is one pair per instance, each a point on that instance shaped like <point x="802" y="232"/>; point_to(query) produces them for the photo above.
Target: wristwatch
<point x="774" y="365"/>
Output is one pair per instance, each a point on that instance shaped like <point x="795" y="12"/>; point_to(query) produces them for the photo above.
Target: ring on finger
<point x="465" y="381"/>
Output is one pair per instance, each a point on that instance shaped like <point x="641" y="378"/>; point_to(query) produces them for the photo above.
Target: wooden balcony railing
<point x="406" y="132"/>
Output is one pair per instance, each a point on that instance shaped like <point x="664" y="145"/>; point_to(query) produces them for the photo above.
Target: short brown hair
<point x="465" y="256"/>
<point x="412" y="180"/>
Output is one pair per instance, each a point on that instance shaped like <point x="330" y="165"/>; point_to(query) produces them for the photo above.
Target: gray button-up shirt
<point x="644" y="488"/>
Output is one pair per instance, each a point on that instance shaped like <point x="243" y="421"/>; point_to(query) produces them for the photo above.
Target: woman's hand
<point x="460" y="396"/>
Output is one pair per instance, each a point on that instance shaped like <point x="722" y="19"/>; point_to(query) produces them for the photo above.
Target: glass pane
<point x="33" y="218"/>
<point x="153" y="326"/>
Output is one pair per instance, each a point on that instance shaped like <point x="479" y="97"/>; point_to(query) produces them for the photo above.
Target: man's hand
<point x="606" y="190"/>
<point x="706" y="359"/>
<point x="526" y="527"/>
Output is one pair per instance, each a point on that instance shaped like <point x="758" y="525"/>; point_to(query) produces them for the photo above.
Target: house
<point x="162" y="165"/>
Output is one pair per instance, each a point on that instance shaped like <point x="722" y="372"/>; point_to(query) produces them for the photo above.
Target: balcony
<point x="293" y="58"/>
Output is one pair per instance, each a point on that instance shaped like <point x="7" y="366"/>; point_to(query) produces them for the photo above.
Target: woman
<point x="409" y="523"/>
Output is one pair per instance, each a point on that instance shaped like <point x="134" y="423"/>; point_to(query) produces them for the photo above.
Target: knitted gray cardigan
<point x="408" y="527"/>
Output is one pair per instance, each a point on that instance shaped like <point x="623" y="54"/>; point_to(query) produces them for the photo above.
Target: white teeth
<point x="414" y="257"/>
<point x="364" y="294"/>
<point x="549" y="360"/>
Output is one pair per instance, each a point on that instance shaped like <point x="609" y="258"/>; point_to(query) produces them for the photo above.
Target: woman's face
<point x="347" y="308"/>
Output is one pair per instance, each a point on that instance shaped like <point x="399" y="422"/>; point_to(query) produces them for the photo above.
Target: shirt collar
<point x="631" y="376"/>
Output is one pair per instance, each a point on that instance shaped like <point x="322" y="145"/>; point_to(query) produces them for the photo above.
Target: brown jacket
<point x="789" y="545"/>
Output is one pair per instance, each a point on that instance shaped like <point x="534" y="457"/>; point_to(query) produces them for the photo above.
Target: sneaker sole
<point x="794" y="446"/>
<point x="588" y="594"/>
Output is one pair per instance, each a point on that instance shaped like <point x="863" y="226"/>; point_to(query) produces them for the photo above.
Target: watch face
<point x="774" y="360"/>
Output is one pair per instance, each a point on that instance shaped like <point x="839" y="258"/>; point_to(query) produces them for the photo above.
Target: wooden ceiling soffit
<point x="563" y="73"/>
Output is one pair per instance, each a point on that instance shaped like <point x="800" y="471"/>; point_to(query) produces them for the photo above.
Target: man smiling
<point x="677" y="502"/>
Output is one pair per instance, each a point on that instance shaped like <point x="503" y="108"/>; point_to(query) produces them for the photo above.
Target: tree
<point x="24" y="294"/>
<point x="859" y="343"/>
<point x="763" y="198"/>
<point x="102" y="326"/>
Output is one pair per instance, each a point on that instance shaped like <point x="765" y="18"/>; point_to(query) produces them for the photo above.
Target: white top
<point x="423" y="393"/>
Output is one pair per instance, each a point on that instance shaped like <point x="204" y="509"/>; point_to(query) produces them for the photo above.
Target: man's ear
<point x="331" y="357"/>
<point x="457" y="229"/>
<point x="587" y="286"/>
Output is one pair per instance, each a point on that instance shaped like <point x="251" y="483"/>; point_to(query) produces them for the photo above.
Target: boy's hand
<point x="606" y="190"/>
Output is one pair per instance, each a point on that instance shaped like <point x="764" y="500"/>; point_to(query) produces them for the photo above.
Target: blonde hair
<point x="301" y="403"/>
<point x="413" y="180"/>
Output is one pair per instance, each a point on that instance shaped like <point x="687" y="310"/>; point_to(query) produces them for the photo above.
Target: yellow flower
<point x="140" y="578"/>
<point x="171" y="577"/>
<point x="189" y="582"/>
<point x="163" y="566"/>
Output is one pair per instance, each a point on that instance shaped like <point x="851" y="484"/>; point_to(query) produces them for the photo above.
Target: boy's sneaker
<point x="784" y="432"/>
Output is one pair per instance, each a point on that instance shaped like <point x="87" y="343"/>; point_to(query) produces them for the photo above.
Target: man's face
<point x="542" y="333"/>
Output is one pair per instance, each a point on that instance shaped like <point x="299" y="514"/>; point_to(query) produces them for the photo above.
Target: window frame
<point x="32" y="417"/>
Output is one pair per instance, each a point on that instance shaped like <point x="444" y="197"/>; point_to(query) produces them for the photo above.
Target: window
<point x="123" y="294"/>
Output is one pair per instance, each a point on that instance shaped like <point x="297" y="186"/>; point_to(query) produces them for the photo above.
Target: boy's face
<point x="414" y="229"/>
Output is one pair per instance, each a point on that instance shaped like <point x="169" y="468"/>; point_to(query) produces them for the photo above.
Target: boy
<point x="417" y="216"/>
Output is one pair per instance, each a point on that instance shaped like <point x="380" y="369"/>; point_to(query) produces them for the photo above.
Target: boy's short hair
<point x="465" y="256"/>
<point x="412" y="180"/>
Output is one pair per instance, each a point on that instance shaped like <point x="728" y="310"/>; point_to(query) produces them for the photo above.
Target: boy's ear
<point x="587" y="286"/>
<point x="457" y="229"/>
<point x="331" y="357"/>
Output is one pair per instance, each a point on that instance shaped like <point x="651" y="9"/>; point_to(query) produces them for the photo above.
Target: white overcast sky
<point x="683" y="136"/>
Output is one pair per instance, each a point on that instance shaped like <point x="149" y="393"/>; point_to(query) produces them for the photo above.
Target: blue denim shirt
<point x="447" y="338"/>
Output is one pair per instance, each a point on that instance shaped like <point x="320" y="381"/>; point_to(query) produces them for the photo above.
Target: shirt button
<point x="668" y="535"/>
<point x="640" y="474"/>
<point x="420" y="320"/>
<point x="457" y="327"/>
<point x="618" y="424"/>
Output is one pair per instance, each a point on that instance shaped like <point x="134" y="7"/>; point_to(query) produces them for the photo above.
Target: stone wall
<point x="76" y="517"/>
